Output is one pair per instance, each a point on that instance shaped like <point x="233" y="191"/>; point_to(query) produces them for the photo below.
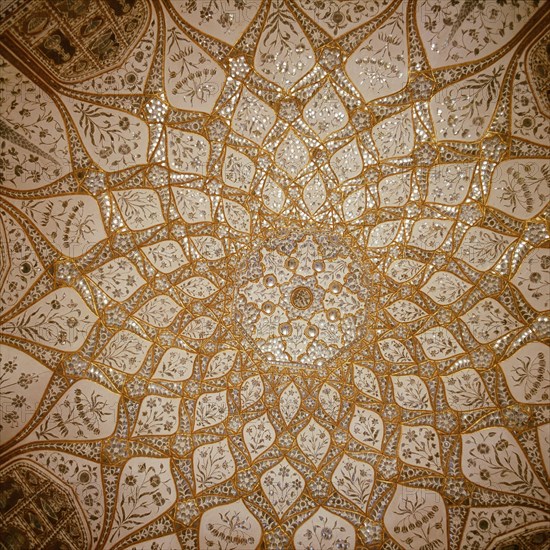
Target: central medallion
<point x="301" y="298"/>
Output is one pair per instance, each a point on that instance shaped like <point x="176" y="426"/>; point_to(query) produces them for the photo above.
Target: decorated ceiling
<point x="274" y="274"/>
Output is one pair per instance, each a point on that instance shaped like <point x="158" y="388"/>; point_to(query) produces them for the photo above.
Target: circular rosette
<point x="301" y="298"/>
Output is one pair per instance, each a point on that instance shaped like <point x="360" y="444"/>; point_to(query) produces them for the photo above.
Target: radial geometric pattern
<point x="275" y="274"/>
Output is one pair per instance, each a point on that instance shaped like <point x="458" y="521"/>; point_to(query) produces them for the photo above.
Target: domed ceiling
<point x="274" y="274"/>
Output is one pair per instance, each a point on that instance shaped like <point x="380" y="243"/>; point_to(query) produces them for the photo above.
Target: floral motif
<point x="113" y="138"/>
<point x="429" y="234"/>
<point x="72" y="223"/>
<point x="253" y="118"/>
<point x="85" y="479"/>
<point x="19" y="254"/>
<point x="445" y="288"/>
<point x="330" y="401"/>
<point x="198" y="287"/>
<point x="419" y="446"/>
<point x="325" y="112"/>
<point x="86" y="411"/>
<point x="378" y="66"/>
<point x="237" y="216"/>
<point x="175" y="364"/>
<point x="354" y="480"/>
<point x="212" y="464"/>
<point x="61" y="320"/>
<point x="520" y="188"/>
<point x="395" y="190"/>
<point x="439" y="343"/>
<point x="464" y="32"/>
<point x="140" y="208"/>
<point x="230" y="526"/>
<point x="289" y="402"/>
<point x="367" y="427"/>
<point x="166" y="256"/>
<point x="404" y="269"/>
<point x="482" y="248"/>
<point x="292" y="155"/>
<point x="200" y="328"/>
<point x="532" y="278"/>
<point x="119" y="279"/>
<point x="395" y="351"/>
<point x="488" y="320"/>
<point x="187" y="152"/>
<point x="337" y="17"/>
<point x="417" y="519"/>
<point x="527" y="373"/>
<point x="251" y="391"/>
<point x="463" y="110"/>
<point x="238" y="170"/>
<point x="211" y="409"/>
<point x="466" y="391"/>
<point x="394" y="137"/>
<point x="366" y="381"/>
<point x="314" y="442"/>
<point x="347" y="161"/>
<point x="160" y="311"/>
<point x="23" y="381"/>
<point x="492" y="458"/>
<point x="325" y="531"/>
<point x="405" y="311"/>
<point x="528" y="121"/>
<point x="259" y="436"/>
<point x="125" y="351"/>
<point x="193" y="79"/>
<point x="449" y="183"/>
<point x="220" y="364"/>
<point x="383" y="234"/>
<point x="146" y="490"/>
<point x="193" y="205"/>
<point x="411" y="393"/>
<point x="157" y="415"/>
<point x="224" y="19"/>
<point x="34" y="151"/>
<point x="284" y="54"/>
<point x="282" y="486"/>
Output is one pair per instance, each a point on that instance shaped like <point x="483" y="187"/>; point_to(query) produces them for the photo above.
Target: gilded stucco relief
<point x="274" y="274"/>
